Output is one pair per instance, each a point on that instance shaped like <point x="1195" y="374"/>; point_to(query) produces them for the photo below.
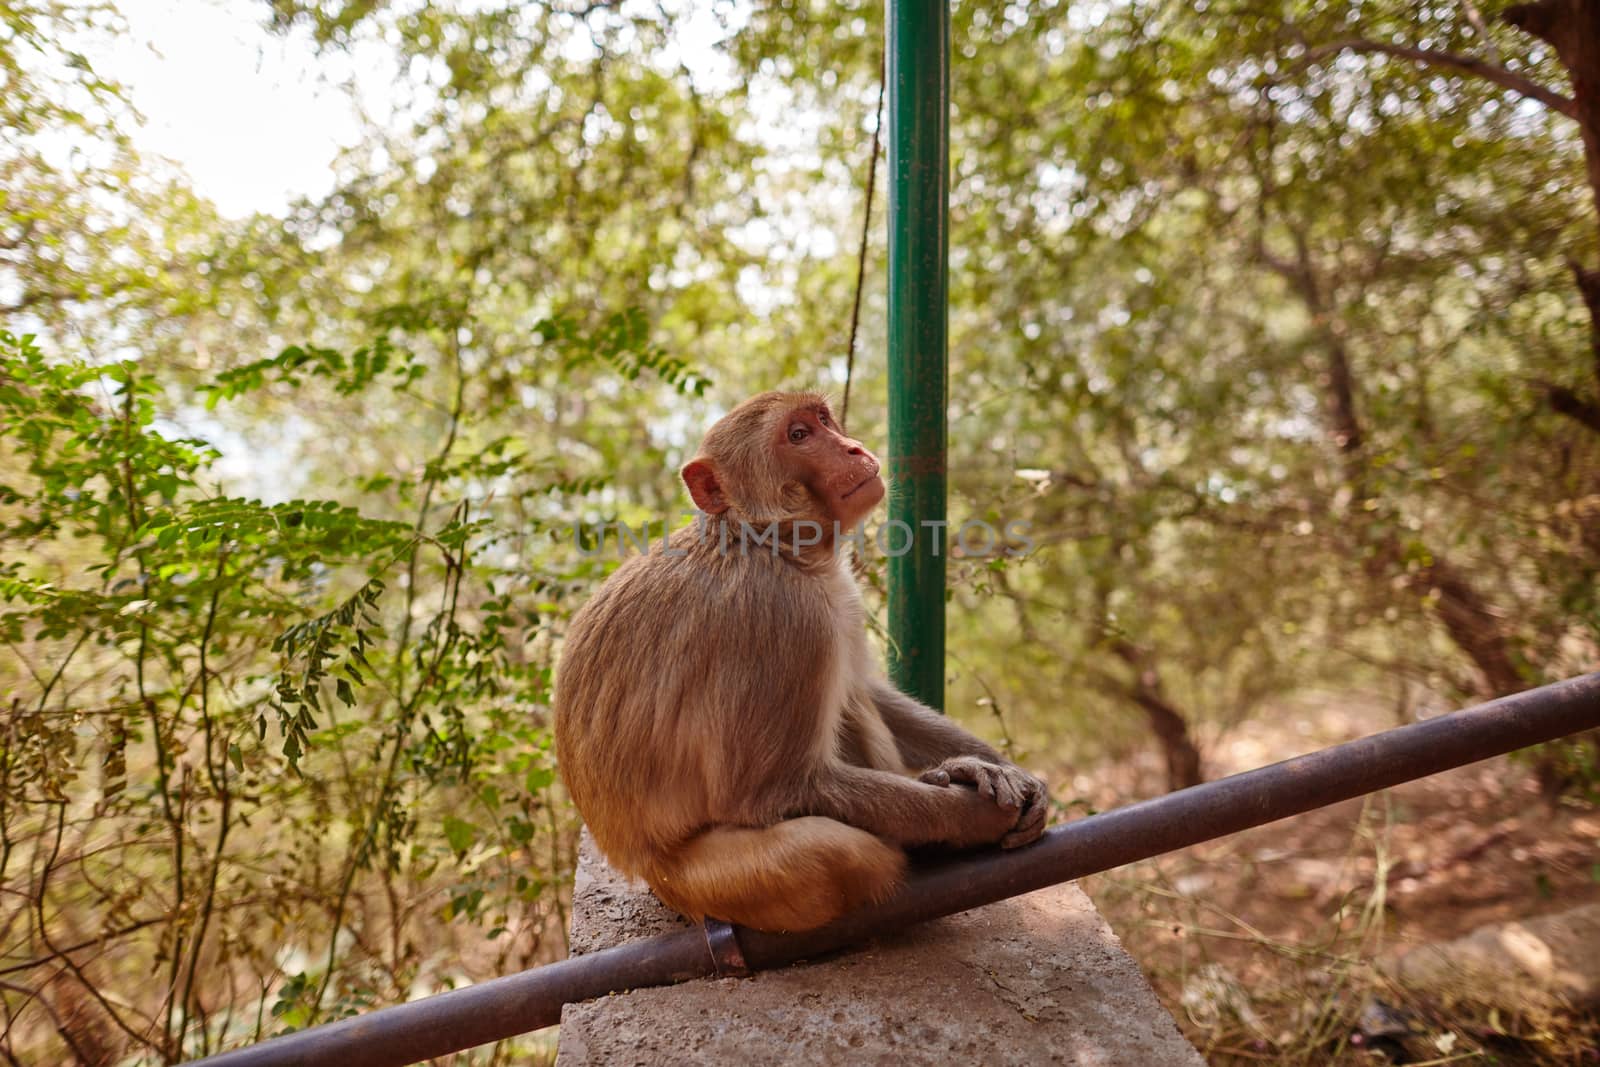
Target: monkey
<point x="721" y="721"/>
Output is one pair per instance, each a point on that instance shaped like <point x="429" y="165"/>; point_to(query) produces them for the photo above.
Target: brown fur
<point x="721" y="721"/>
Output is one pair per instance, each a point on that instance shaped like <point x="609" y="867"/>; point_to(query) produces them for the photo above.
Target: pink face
<point x="836" y="468"/>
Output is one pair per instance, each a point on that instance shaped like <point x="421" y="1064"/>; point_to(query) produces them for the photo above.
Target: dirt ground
<point x="1263" y="944"/>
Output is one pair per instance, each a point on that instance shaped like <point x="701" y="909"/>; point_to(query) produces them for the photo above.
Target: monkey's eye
<point x="798" y="434"/>
<point x="824" y="418"/>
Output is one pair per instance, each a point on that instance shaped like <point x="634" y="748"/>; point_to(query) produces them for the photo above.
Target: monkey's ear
<point x="704" y="489"/>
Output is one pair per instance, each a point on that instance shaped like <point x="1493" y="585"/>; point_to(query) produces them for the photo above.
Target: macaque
<point x="721" y="721"/>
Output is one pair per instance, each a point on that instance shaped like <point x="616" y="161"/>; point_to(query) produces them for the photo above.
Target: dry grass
<point x="1264" y="945"/>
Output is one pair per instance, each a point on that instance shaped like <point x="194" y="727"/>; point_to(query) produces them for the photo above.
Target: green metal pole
<point x="918" y="58"/>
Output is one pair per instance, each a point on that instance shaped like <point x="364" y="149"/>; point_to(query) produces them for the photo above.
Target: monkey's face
<point x="838" y="470"/>
<point x="783" y="456"/>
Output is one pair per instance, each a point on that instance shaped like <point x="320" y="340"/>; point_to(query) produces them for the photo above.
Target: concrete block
<point x="1037" y="979"/>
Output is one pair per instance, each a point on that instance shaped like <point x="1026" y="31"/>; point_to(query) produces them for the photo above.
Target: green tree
<point x="1256" y="335"/>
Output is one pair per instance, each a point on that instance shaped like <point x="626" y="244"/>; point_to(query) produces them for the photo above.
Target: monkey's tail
<point x="795" y="875"/>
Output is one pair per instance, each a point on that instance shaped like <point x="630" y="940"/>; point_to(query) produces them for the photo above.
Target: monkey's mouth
<point x="868" y="480"/>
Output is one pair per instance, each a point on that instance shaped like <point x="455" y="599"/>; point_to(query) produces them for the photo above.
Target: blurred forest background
<point x="1280" y="322"/>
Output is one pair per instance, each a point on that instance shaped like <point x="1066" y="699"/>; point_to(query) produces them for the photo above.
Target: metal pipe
<point x="479" y="1014"/>
<point x="918" y="58"/>
<point x="1211" y="810"/>
<point x="518" y="1003"/>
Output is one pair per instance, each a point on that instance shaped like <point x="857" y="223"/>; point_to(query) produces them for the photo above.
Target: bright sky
<point x="248" y="114"/>
<point x="257" y="118"/>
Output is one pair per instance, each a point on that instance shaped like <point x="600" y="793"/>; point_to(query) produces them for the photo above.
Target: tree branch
<point x="1564" y="401"/>
<point x="1479" y="26"/>
<point x="1470" y="65"/>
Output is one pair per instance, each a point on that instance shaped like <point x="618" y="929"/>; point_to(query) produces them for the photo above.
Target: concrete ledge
<point x="1038" y="979"/>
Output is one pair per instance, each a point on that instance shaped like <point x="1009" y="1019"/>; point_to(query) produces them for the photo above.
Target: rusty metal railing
<point x="515" y="1004"/>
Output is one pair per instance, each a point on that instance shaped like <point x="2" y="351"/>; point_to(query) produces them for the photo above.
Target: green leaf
<point x="459" y="833"/>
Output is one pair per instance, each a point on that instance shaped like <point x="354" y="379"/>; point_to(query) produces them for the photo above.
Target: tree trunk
<point x="1589" y="286"/>
<point x="1572" y="28"/>
<point x="1166" y="722"/>
<point x="1464" y="613"/>
<point x="1475" y="630"/>
<point x="1183" y="758"/>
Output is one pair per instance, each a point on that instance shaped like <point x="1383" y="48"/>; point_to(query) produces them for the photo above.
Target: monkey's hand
<point x="1008" y="785"/>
